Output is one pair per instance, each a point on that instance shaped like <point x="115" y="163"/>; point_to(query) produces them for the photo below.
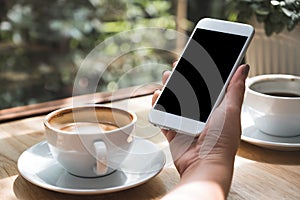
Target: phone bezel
<point x="190" y="126"/>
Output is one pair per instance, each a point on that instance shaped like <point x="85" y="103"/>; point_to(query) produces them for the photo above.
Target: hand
<point x="211" y="155"/>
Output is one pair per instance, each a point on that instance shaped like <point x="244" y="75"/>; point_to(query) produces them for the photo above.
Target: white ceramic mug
<point x="90" y="141"/>
<point x="273" y="102"/>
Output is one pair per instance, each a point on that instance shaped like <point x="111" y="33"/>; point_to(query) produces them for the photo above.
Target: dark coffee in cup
<point x="282" y="94"/>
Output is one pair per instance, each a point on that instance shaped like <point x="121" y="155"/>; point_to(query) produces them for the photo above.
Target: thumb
<point x="236" y="88"/>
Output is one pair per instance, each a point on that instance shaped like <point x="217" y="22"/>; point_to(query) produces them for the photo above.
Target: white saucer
<point x="254" y="136"/>
<point x="37" y="165"/>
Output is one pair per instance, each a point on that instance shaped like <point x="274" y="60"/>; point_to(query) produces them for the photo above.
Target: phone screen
<point x="200" y="74"/>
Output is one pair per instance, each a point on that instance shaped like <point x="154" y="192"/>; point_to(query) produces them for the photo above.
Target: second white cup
<point x="273" y="102"/>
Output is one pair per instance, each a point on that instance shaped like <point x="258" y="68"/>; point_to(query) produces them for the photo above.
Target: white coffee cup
<point x="91" y="140"/>
<point x="273" y="102"/>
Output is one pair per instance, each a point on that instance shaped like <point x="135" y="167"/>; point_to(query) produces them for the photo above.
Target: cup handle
<point x="101" y="157"/>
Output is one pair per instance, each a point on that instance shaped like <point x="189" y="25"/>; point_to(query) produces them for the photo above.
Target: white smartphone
<point x="199" y="79"/>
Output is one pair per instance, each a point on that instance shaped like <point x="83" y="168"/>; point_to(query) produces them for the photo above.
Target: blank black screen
<point x="200" y="74"/>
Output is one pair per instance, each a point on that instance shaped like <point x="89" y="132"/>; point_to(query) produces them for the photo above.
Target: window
<point x="44" y="44"/>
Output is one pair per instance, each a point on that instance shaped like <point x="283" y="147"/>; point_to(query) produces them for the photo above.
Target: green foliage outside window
<point x="276" y="15"/>
<point x="43" y="43"/>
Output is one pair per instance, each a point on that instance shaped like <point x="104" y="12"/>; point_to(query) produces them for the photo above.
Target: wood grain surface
<point x="259" y="173"/>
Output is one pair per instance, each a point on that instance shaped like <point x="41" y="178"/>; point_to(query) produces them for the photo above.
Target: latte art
<point x="88" y="127"/>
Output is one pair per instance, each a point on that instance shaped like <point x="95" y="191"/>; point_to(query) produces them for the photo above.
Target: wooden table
<point x="259" y="173"/>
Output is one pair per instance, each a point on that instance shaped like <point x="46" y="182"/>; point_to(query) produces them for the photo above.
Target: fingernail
<point x="164" y="71"/>
<point x="246" y="70"/>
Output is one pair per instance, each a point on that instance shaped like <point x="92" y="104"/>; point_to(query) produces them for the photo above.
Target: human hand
<point x="216" y="146"/>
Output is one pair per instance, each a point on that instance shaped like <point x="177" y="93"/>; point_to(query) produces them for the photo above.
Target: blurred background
<point x="43" y="43"/>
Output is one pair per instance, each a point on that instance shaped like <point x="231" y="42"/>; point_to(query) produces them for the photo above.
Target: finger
<point x="169" y="134"/>
<point x="165" y="76"/>
<point x="155" y="96"/>
<point x="167" y="73"/>
<point x="175" y="63"/>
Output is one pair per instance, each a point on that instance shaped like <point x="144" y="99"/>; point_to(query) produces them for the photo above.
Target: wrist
<point x="212" y="159"/>
<point x="196" y="190"/>
<point x="214" y="172"/>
